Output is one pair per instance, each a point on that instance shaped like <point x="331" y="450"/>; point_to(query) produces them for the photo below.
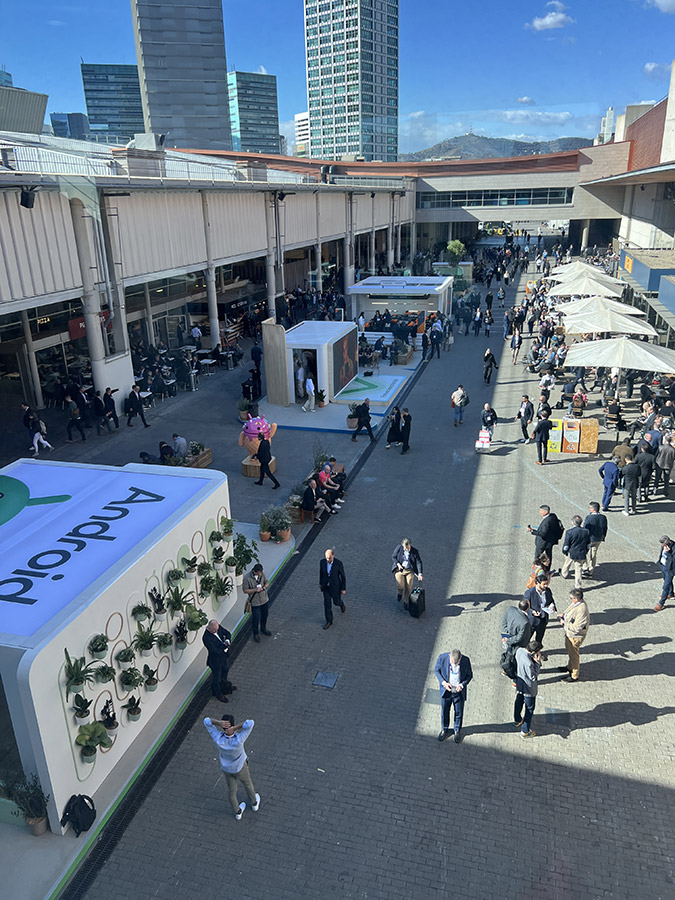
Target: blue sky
<point x="531" y="69"/>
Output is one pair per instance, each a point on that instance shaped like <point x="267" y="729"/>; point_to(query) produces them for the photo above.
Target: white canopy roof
<point x="606" y="320"/>
<point x="586" y="285"/>
<point x="624" y="353"/>
<point x="575" y="269"/>
<point x="597" y="304"/>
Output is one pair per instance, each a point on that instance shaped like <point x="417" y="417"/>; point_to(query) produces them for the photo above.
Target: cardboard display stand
<point x="571" y="433"/>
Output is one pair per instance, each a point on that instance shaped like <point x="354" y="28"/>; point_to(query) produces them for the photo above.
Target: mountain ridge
<point x="477" y="146"/>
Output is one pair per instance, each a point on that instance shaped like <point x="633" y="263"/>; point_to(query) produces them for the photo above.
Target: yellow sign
<point x="628" y="264"/>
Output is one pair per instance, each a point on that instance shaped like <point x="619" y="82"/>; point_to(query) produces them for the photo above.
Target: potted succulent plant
<point x="163" y="641"/>
<point x="130" y="679"/>
<point x="173" y="576"/>
<point x="244" y="554"/>
<point x="144" y="640"/>
<point x="98" y="646"/>
<point x="126" y="658"/>
<point x="78" y="673"/>
<point x="218" y="558"/>
<point x="176" y="599"/>
<point x="109" y="719"/>
<point x="82" y="708"/>
<point x="279" y="522"/>
<point x="222" y="587"/>
<point x="190" y="567"/>
<point x="151" y="680"/>
<point x="105" y="673"/>
<point x="141" y="612"/>
<point x="133" y="706"/>
<point x="90" y="737"/>
<point x="181" y="633"/>
<point x="264" y="530"/>
<point x="158" y="603"/>
<point x="352" y="420"/>
<point x="206" y="585"/>
<point x="195" y="618"/>
<point x="27" y="795"/>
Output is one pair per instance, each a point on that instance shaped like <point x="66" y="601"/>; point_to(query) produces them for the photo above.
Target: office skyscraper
<point x="301" y="144"/>
<point x="352" y="78"/>
<point x="70" y="125"/>
<point x="180" y="47"/>
<point x="5" y="78"/>
<point x="254" y="112"/>
<point x="113" y="98"/>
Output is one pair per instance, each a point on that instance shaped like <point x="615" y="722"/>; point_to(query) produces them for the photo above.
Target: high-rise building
<point x="180" y="48"/>
<point x="254" y="112"/>
<point x="5" y="78"/>
<point x="352" y="78"/>
<point x="70" y="125"/>
<point x="22" y="111"/>
<point x="113" y="98"/>
<point x="301" y="144"/>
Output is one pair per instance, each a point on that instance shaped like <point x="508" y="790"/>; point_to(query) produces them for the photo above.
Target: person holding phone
<point x="528" y="662"/>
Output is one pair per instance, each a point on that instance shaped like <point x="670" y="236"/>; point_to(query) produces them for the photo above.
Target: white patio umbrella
<point x="624" y="354"/>
<point x="573" y="270"/>
<point x="584" y="285"/>
<point x="606" y="320"/>
<point x="597" y="304"/>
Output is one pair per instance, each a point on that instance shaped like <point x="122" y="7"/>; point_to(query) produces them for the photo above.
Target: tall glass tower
<point x="180" y="48"/>
<point x="352" y="78"/>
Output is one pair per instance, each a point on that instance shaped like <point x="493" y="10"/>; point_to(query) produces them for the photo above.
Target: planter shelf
<point x="202" y="460"/>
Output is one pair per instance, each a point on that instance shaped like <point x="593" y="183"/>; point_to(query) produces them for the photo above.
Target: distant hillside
<point x="475" y="146"/>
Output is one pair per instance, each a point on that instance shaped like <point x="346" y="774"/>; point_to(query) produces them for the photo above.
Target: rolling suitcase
<point x="416" y="603"/>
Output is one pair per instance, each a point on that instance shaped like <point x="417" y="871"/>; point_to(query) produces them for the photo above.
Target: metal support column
<point x="210" y="273"/>
<point x="91" y="301"/>
<point x="38" y="400"/>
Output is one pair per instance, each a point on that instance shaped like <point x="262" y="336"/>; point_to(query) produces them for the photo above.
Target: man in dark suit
<point x="454" y="673"/>
<point x="547" y="534"/>
<point x="525" y="414"/>
<point x="406" y="424"/>
<point x="363" y="419"/>
<point x="216" y="639"/>
<point x="333" y="585"/>
<point x="264" y="456"/>
<point x="541" y="435"/>
<point x="575" y="547"/>
<point x="596" y="524"/>
<point x="134" y="406"/>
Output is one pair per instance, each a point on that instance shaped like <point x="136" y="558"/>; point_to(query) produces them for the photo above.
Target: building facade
<point x="352" y="78"/>
<point x="70" y="125"/>
<point x="5" y="78"/>
<point x="113" y="98"/>
<point x="301" y="145"/>
<point x="254" y="112"/>
<point x="22" y="111"/>
<point x="180" y="47"/>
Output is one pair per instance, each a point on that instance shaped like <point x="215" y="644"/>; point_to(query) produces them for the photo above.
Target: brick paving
<point x="359" y="800"/>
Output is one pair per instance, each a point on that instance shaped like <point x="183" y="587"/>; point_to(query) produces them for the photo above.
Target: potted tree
<point x="151" y="680"/>
<point x="78" y="673"/>
<point x="26" y="793"/>
<point x="81" y="706"/>
<point x="244" y="554"/>
<point x="352" y="420"/>
<point x="133" y="706"/>
<point x="243" y="407"/>
<point x="126" y="658"/>
<point x="181" y="633"/>
<point x="321" y="399"/>
<point x="222" y="588"/>
<point x="163" y="641"/>
<point x="279" y="522"/>
<point x="158" y="603"/>
<point x="264" y="529"/>
<point x="90" y="737"/>
<point x="173" y="576"/>
<point x="144" y="640"/>
<point x="218" y="559"/>
<point x="109" y="719"/>
<point x="190" y="567"/>
<point x="130" y="679"/>
<point x="105" y="673"/>
<point x="98" y="646"/>
<point x="141" y="612"/>
<point x="195" y="618"/>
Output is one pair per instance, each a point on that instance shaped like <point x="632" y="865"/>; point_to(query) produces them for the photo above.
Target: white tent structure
<point x="598" y="304"/>
<point x="622" y="353"/>
<point x="575" y="269"/>
<point x="585" y="286"/>
<point x="593" y="321"/>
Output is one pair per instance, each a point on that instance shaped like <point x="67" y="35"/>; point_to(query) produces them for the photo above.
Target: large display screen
<point x="345" y="361"/>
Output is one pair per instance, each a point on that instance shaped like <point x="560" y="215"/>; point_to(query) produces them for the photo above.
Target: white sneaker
<point x="625" y="512"/>
<point x="257" y="803"/>
<point x="242" y="807"/>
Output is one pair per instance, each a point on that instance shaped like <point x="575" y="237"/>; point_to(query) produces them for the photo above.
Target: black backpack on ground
<point x="80" y="813"/>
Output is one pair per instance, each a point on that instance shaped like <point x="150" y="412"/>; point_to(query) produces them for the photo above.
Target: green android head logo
<point x="15" y="496"/>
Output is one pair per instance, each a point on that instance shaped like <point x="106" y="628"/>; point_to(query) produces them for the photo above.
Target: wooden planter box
<point x="294" y="513"/>
<point x="204" y="459"/>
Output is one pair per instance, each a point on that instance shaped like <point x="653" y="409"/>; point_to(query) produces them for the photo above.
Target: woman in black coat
<point x="489" y="362"/>
<point x="394" y="433"/>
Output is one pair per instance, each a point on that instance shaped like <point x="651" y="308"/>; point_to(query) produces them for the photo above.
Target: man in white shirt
<point x="196" y="336"/>
<point x="229" y="739"/>
<point x="308" y="405"/>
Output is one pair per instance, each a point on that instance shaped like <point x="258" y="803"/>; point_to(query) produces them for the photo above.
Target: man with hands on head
<point x="229" y="739"/>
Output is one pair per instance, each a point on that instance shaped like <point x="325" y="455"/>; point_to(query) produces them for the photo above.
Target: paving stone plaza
<point x="359" y="799"/>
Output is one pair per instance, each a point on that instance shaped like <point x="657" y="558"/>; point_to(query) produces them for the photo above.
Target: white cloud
<point x="525" y="101"/>
<point x="287" y="128"/>
<point x="556" y="18"/>
<point x="557" y="5"/>
<point x="55" y="22"/>
<point x="417" y="114"/>
<point x="529" y="116"/>
<point x="261" y="70"/>
<point x="666" y="6"/>
<point x="656" y="71"/>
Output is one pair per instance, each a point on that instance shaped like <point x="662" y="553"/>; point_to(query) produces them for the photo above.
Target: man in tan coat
<point x="576" y="620"/>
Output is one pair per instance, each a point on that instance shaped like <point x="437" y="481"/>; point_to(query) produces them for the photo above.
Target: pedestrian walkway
<point x="359" y="799"/>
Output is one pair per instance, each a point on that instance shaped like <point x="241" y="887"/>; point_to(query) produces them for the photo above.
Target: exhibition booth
<point x="86" y="552"/>
<point x="388" y="301"/>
